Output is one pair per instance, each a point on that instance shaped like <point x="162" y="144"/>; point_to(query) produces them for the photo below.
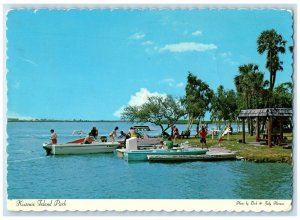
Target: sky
<point x="90" y="64"/>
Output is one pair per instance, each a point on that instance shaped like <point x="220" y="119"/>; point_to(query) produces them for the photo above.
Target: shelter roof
<point x="265" y="112"/>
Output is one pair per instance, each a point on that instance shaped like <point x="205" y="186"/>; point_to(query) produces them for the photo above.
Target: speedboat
<point x="144" y="140"/>
<point x="132" y="153"/>
<point x="79" y="148"/>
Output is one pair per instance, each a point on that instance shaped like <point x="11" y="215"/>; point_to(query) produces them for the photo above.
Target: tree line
<point x="252" y="91"/>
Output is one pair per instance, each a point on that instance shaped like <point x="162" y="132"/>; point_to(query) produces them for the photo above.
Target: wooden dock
<point x="182" y="158"/>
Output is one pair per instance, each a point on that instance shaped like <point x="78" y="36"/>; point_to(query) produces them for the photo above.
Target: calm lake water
<point x="32" y="175"/>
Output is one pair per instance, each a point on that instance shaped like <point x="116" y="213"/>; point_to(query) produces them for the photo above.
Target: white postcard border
<point x="150" y="204"/>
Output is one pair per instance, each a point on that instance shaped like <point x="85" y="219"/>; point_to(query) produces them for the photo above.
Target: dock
<point x="185" y="158"/>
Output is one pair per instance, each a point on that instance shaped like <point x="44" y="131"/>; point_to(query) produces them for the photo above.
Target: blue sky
<point x="89" y="64"/>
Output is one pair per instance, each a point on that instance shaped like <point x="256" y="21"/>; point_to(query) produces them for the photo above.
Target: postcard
<point x="149" y="109"/>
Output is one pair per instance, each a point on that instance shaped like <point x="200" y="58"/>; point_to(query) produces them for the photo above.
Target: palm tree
<point x="250" y="85"/>
<point x="273" y="43"/>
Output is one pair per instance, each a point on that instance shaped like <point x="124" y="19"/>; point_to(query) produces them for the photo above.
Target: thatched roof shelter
<point x="267" y="113"/>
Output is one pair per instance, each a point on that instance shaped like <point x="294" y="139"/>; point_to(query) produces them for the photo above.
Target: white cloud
<point x="137" y="36"/>
<point x="168" y="81"/>
<point x="171" y="82"/>
<point x="227" y="58"/>
<point x="138" y="99"/>
<point x="180" y="85"/>
<point x="147" y="43"/>
<point x="29" y="61"/>
<point x="226" y="54"/>
<point x="142" y="96"/>
<point x="119" y="111"/>
<point x="188" y="47"/>
<point x="197" y="33"/>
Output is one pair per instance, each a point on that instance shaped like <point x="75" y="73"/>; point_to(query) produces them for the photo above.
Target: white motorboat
<point x="79" y="148"/>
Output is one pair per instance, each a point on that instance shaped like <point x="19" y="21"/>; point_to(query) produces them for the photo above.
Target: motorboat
<point x="144" y="139"/>
<point x="132" y="153"/>
<point x="76" y="147"/>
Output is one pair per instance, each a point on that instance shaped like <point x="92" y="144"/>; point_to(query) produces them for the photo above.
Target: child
<point x="203" y="134"/>
<point x="162" y="145"/>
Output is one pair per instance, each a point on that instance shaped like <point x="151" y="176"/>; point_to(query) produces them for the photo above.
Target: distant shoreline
<point x="58" y="120"/>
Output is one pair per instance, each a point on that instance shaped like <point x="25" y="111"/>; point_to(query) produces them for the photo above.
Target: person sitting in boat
<point x="162" y="145"/>
<point x="132" y="132"/>
<point x="95" y="132"/>
<point x="169" y="143"/>
<point x="113" y="134"/>
<point x="53" y="136"/>
<point x="89" y="139"/>
<point x="123" y="135"/>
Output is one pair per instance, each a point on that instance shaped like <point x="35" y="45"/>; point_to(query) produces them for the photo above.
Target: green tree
<point x="250" y="86"/>
<point x="197" y="98"/>
<point x="273" y="43"/>
<point x="161" y="111"/>
<point x="283" y="95"/>
<point x="224" y="105"/>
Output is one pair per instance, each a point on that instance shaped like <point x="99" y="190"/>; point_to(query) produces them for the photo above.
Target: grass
<point x="248" y="151"/>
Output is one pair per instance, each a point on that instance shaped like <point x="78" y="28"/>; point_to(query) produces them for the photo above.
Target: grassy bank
<point x="249" y="151"/>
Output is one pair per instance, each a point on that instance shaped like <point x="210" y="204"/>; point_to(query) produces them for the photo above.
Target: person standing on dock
<point x="175" y="133"/>
<point x="53" y="136"/>
<point x="113" y="133"/>
<point x="203" y="134"/>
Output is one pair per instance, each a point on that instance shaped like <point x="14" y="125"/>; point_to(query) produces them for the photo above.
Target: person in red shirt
<point x="203" y="134"/>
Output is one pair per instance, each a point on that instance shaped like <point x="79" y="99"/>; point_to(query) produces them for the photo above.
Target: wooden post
<point x="243" y="130"/>
<point x="270" y="131"/>
<point x="257" y="129"/>
<point x="281" y="130"/>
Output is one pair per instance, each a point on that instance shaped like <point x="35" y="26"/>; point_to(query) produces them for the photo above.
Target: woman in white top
<point x="89" y="139"/>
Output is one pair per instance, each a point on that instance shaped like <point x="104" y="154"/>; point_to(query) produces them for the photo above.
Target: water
<point x="32" y="175"/>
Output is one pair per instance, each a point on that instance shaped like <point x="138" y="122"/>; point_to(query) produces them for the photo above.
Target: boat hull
<point x="184" y="158"/>
<point x="142" y="155"/>
<point x="69" y="149"/>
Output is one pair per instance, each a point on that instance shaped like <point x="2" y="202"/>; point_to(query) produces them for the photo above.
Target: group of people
<point x="202" y="134"/>
<point x="93" y="134"/>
